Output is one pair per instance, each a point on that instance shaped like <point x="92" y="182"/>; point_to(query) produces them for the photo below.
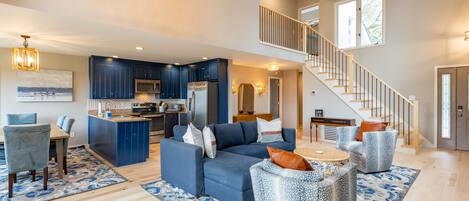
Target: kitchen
<point x="136" y="103"/>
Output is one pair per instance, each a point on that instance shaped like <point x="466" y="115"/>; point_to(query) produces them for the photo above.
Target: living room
<point x="178" y="100"/>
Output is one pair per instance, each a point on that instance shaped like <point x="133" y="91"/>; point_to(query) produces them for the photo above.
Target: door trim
<point x="280" y="108"/>
<point x="435" y="98"/>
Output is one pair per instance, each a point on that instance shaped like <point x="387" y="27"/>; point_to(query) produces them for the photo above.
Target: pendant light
<point x="25" y="58"/>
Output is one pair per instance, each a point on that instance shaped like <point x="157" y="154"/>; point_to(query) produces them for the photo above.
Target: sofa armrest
<point x="289" y="135"/>
<point x="182" y="165"/>
<point x="345" y="135"/>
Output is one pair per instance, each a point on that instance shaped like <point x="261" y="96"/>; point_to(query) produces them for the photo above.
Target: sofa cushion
<point x="289" y="160"/>
<point x="279" y="145"/>
<point x="230" y="170"/>
<point x="249" y="150"/>
<point x="250" y="131"/>
<point x="228" y="135"/>
<point x="369" y="126"/>
<point x="179" y="131"/>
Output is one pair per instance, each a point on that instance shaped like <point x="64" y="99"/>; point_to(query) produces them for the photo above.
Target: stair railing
<point x="372" y="92"/>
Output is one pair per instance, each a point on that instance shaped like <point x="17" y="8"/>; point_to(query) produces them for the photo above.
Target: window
<point x="446" y="106"/>
<point x="359" y="23"/>
<point x="310" y="15"/>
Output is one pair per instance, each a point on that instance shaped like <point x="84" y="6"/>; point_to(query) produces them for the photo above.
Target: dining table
<point x="57" y="135"/>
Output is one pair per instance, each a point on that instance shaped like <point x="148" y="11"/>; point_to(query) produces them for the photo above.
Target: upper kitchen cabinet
<point x="183" y="80"/>
<point x="111" y="78"/>
<point x="170" y="82"/>
<point x="147" y="70"/>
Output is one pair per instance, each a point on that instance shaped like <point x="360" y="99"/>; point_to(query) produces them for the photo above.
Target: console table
<point x="337" y="122"/>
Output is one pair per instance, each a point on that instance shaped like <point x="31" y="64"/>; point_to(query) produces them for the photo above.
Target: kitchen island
<point x="122" y="140"/>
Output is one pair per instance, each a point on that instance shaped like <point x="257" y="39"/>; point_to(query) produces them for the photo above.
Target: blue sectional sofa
<point x="227" y="176"/>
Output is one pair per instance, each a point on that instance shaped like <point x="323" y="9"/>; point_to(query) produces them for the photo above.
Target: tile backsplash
<point x="127" y="103"/>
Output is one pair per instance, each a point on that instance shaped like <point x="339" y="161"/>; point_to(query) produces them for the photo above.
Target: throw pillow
<point x="368" y="126"/>
<point x="289" y="160"/>
<point x="269" y="131"/>
<point x="209" y="142"/>
<point x="194" y="136"/>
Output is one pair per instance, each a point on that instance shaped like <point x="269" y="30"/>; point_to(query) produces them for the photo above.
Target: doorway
<point x="453" y="108"/>
<point x="274" y="97"/>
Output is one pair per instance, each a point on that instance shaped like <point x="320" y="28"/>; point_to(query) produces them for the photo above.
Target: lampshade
<point x="25" y="58"/>
<point x="466" y="36"/>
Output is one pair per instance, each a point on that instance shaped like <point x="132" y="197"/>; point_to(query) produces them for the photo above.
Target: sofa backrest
<point x="228" y="135"/>
<point x="250" y="131"/>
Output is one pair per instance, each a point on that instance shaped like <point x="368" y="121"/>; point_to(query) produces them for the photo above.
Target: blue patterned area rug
<point x="390" y="186"/>
<point x="85" y="173"/>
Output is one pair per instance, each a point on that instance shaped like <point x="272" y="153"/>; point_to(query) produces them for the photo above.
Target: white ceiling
<point x="57" y="34"/>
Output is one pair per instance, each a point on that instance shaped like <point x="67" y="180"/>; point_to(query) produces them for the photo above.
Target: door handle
<point x="460" y="111"/>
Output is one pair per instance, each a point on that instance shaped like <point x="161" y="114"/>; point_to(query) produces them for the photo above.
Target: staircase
<point x="359" y="88"/>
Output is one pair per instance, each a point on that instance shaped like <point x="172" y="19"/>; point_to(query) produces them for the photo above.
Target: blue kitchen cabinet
<point x="170" y="83"/>
<point x="120" y="143"/>
<point x="183" y="80"/>
<point x="147" y="70"/>
<point x="111" y="78"/>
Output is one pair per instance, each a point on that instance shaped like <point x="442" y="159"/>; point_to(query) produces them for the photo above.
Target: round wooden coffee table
<point x="325" y="155"/>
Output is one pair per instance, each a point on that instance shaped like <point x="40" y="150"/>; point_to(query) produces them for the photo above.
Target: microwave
<point x="147" y="86"/>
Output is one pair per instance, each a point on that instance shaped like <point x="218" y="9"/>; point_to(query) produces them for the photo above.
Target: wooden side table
<point x="337" y="122"/>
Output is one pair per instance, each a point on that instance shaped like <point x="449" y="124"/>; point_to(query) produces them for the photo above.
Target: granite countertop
<point x="119" y="119"/>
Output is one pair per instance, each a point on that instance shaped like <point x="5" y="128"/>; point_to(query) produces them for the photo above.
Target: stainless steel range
<point x="149" y="110"/>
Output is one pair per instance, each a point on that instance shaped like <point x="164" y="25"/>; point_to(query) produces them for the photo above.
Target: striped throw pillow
<point x="269" y="131"/>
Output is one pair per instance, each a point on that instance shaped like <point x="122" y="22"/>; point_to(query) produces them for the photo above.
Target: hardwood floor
<point x="444" y="176"/>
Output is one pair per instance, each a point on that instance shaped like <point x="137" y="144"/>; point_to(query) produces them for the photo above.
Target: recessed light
<point x="204" y="58"/>
<point x="139" y="48"/>
<point x="177" y="64"/>
<point x="273" y="67"/>
<point x="115" y="56"/>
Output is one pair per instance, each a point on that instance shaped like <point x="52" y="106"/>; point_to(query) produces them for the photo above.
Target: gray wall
<point x="49" y="111"/>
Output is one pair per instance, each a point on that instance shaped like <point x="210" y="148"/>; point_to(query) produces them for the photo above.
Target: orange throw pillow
<point x="288" y="160"/>
<point x="368" y="126"/>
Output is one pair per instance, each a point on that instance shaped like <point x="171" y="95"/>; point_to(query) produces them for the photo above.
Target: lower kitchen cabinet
<point x="120" y="143"/>
<point x="171" y="120"/>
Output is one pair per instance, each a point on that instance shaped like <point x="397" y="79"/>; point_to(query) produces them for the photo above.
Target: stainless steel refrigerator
<point x="202" y="103"/>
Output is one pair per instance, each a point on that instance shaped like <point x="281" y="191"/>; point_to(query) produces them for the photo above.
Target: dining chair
<point x="26" y="149"/>
<point x="60" y="120"/>
<point x="67" y="128"/>
<point x="18" y="119"/>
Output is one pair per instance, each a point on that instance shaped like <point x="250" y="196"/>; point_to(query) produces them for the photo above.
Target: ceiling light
<point x="466" y="36"/>
<point x="273" y="67"/>
<point x="25" y="58"/>
<point x="139" y="48"/>
<point x="115" y="57"/>
<point x="177" y="64"/>
<point x="204" y="58"/>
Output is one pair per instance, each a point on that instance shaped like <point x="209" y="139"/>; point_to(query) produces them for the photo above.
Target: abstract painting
<point x="44" y="86"/>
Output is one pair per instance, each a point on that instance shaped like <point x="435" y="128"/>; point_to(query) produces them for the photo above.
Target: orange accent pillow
<point x="368" y="126"/>
<point x="289" y="160"/>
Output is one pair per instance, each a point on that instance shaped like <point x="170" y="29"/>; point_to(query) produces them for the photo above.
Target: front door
<point x="453" y="108"/>
<point x="462" y="109"/>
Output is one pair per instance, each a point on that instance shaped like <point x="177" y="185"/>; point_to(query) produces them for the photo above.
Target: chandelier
<point x="25" y="58"/>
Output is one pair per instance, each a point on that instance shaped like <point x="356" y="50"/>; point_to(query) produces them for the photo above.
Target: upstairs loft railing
<point x="374" y="94"/>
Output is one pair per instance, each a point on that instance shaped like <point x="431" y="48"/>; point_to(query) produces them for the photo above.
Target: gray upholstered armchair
<point x="374" y="154"/>
<point x="273" y="183"/>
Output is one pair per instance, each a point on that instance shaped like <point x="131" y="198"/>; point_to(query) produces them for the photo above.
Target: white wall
<point x="322" y="99"/>
<point x="254" y="76"/>
<point x="49" y="111"/>
<point x="286" y="7"/>
<point x="290" y="99"/>
<point x="416" y="40"/>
